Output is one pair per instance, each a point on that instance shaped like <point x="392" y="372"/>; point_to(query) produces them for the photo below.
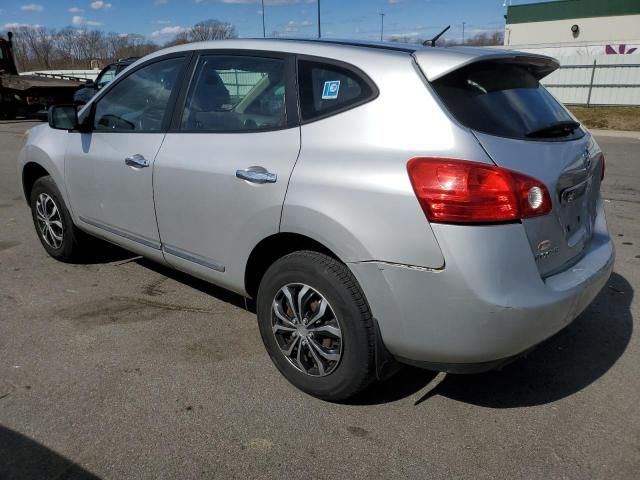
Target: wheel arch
<point x="271" y="248"/>
<point x="276" y="246"/>
<point x="31" y="172"/>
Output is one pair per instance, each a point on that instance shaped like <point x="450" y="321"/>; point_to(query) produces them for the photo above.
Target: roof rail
<point x="353" y="43"/>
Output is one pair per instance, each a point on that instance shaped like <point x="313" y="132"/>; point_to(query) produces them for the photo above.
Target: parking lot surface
<point x="120" y="368"/>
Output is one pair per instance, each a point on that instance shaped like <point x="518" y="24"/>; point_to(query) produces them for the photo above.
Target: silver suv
<point x="381" y="203"/>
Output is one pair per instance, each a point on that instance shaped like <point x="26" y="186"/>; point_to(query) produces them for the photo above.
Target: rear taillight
<point x="460" y="191"/>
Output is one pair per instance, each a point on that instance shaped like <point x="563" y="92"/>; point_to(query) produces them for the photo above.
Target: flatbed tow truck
<point x="30" y="95"/>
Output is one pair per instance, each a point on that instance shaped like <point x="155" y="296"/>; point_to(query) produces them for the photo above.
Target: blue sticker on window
<point x="331" y="89"/>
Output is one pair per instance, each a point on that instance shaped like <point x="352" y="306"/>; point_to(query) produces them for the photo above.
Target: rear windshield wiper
<point x="557" y="129"/>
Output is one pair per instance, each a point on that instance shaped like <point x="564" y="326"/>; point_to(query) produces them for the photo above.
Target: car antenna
<point x="433" y="41"/>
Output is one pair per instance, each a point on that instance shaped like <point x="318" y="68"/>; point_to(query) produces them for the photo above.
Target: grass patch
<point x="611" y="118"/>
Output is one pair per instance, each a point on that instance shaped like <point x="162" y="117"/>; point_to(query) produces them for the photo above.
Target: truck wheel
<point x="316" y="325"/>
<point x="56" y="231"/>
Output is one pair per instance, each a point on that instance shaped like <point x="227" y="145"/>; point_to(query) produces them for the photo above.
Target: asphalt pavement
<point x="123" y="369"/>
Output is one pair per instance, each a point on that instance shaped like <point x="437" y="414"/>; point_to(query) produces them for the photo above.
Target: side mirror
<point x="90" y="83"/>
<point x="63" y="117"/>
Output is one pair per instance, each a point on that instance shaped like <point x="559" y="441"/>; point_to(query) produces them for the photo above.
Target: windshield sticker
<point x="331" y="89"/>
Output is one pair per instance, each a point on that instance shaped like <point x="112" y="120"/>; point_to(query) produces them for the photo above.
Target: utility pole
<point x="463" y="24"/>
<point x="319" y="31"/>
<point x="381" y="26"/>
<point x="264" y="31"/>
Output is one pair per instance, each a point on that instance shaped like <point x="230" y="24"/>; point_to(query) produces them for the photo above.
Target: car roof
<point x="435" y="61"/>
<point x="392" y="46"/>
<point x="314" y="46"/>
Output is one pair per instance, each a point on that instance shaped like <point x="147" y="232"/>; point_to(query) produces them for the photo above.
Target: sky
<point x="160" y="20"/>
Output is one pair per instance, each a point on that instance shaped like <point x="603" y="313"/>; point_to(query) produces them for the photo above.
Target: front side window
<point x="327" y="88"/>
<point x="139" y="102"/>
<point x="236" y="93"/>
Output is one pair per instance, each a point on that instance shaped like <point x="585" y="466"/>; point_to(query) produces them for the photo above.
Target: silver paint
<point x="440" y="293"/>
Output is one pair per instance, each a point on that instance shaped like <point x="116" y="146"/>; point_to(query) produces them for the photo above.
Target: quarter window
<point x="327" y="89"/>
<point x="236" y="93"/>
<point x="139" y="102"/>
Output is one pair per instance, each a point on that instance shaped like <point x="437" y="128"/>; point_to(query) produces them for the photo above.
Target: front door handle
<point x="137" y="161"/>
<point x="257" y="175"/>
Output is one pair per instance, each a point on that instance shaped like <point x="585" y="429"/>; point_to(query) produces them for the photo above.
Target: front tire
<point x="52" y="220"/>
<point x="316" y="325"/>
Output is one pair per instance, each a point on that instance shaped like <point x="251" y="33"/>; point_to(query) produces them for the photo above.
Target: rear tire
<point x="324" y="344"/>
<point x="52" y="220"/>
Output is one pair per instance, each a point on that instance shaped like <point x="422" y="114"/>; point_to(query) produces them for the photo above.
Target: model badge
<point x="545" y="250"/>
<point x="544" y="246"/>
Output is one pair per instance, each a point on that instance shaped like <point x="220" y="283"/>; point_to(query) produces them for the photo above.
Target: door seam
<point x="153" y="193"/>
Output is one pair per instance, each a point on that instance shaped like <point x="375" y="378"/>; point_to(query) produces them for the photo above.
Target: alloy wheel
<point x="49" y="221"/>
<point x="306" y="329"/>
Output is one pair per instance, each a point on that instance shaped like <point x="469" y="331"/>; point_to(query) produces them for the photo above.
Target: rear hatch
<point x="524" y="128"/>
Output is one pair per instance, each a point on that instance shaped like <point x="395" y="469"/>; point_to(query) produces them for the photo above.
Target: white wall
<point x="618" y="29"/>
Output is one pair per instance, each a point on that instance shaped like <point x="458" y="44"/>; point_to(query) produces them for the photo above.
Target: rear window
<point x="505" y="100"/>
<point x="326" y="89"/>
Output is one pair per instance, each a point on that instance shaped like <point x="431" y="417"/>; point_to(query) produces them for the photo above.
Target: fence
<point x="600" y="80"/>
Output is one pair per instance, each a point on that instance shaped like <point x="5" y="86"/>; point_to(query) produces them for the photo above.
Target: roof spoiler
<point x="436" y="63"/>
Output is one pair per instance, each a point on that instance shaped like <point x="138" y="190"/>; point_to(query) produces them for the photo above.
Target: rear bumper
<point x="487" y="305"/>
<point x="464" y="368"/>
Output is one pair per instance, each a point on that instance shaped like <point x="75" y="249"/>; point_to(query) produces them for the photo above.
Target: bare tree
<point x="43" y="45"/>
<point x="180" y="39"/>
<point x="482" y="39"/>
<point x="405" y="39"/>
<point x="128" y="45"/>
<point x="486" y="39"/>
<point x="38" y="48"/>
<point x="21" y="49"/>
<point x="68" y="47"/>
<point x="35" y="45"/>
<point x="211" y="30"/>
<point x="92" y="44"/>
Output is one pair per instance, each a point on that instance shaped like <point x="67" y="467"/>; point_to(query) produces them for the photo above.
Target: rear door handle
<point x="257" y="175"/>
<point x="137" y="161"/>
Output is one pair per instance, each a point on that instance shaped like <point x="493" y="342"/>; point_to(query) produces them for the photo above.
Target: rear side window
<point x="505" y="100"/>
<point x="236" y="94"/>
<point x="326" y="89"/>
